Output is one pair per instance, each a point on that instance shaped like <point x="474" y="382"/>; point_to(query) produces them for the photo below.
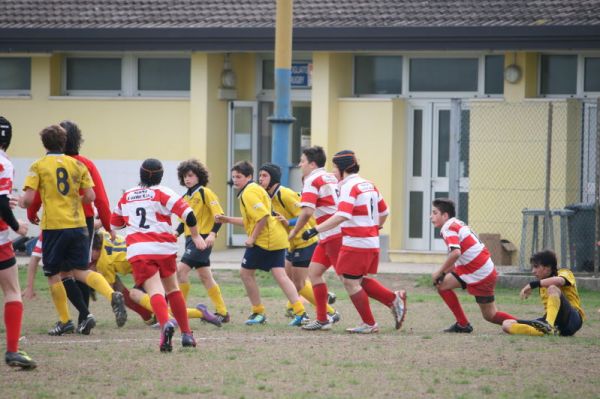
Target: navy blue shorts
<point x="65" y="250"/>
<point x="261" y="259"/>
<point x="193" y="257"/>
<point x="568" y="320"/>
<point x="301" y="257"/>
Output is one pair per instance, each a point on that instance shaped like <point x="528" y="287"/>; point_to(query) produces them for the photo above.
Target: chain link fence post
<point x="597" y="191"/>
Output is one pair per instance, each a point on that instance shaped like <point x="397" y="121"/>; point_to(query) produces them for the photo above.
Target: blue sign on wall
<point x="301" y="75"/>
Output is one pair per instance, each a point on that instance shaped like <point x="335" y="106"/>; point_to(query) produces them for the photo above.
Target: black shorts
<point x="261" y="259"/>
<point x="193" y="257"/>
<point x="8" y="263"/>
<point x="65" y="250"/>
<point x="300" y="257"/>
<point x="568" y="320"/>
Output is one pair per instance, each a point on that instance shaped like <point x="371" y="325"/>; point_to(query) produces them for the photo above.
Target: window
<point x="377" y="75"/>
<point x="494" y="74"/>
<point x="591" y="80"/>
<point x="15" y="75"/>
<point x="443" y="74"/>
<point x="558" y="74"/>
<point x="171" y="74"/>
<point x="101" y="74"/>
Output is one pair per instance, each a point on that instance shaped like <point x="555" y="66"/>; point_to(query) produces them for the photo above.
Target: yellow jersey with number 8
<point x="58" y="178"/>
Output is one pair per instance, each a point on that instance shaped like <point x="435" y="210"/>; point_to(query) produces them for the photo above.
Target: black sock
<point x="74" y="295"/>
<point x="85" y="292"/>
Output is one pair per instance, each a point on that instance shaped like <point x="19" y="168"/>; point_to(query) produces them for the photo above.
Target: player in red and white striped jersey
<point x="361" y="212"/>
<point x="468" y="265"/>
<point x="152" y="247"/>
<point x="319" y="199"/>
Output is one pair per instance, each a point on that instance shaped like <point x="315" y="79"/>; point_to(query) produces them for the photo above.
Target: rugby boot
<point x="456" y="328"/>
<point x="223" y="318"/>
<point x="85" y="327"/>
<point x="208" y="316"/>
<point x="316" y="325"/>
<point x="166" y="337"/>
<point x="19" y="359"/>
<point x="399" y="308"/>
<point x="364" y="328"/>
<point x="299" y="320"/>
<point x="62" y="328"/>
<point x="187" y="340"/>
<point x="118" y="307"/>
<point x="256" y="318"/>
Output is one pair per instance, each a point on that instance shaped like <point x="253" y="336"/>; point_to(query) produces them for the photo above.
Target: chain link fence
<point x="525" y="177"/>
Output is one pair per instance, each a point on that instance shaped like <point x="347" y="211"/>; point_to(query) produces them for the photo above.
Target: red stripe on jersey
<point x="475" y="264"/>
<point x="366" y="231"/>
<point x="323" y="218"/>
<point x="310" y="198"/>
<point x="135" y="238"/>
<point x="326" y="201"/>
<point x="6" y="251"/>
<point x="5" y="184"/>
<point x="163" y="218"/>
<point x="452" y="241"/>
<point x="467" y="243"/>
<point x="3" y="225"/>
<point x="345" y="207"/>
<point x="381" y="206"/>
<point x="117" y="220"/>
<point x="360" y="210"/>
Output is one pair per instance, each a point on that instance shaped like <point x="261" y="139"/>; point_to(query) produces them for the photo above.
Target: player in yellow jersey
<point x="109" y="258"/>
<point x="558" y="292"/>
<point x="205" y="203"/>
<point x="59" y="179"/>
<point x="286" y="208"/>
<point x="266" y="243"/>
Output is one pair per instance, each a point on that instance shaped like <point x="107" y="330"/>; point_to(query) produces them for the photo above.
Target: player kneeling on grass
<point x="468" y="265"/>
<point x="152" y="248"/>
<point x="558" y="292"/>
<point x="361" y="213"/>
<point x="109" y="258"/>
<point x="265" y="246"/>
<point x="64" y="184"/>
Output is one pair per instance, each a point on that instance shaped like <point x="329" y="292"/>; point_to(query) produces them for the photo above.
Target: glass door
<point x="243" y="137"/>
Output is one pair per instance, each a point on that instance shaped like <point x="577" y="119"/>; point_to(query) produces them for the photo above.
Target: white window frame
<point x="406" y="93"/>
<point x="129" y="75"/>
<point x="19" y="92"/>
<point x="300" y="95"/>
<point x="579" y="93"/>
<point x="581" y="76"/>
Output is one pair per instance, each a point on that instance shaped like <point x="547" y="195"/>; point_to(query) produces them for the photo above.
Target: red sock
<point x="179" y="309"/>
<point x="361" y="303"/>
<point x="377" y="291"/>
<point x="451" y="300"/>
<point x="13" y="315"/>
<point x="499" y="317"/>
<point x="142" y="311"/>
<point x="159" y="305"/>
<point x="320" y="292"/>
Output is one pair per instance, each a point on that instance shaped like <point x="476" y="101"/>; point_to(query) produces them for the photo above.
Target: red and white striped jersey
<point x="7" y="174"/>
<point x="474" y="263"/>
<point x="320" y="192"/>
<point x="362" y="205"/>
<point x="146" y="211"/>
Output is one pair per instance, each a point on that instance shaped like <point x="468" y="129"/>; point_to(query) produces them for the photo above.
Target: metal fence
<point x="526" y="173"/>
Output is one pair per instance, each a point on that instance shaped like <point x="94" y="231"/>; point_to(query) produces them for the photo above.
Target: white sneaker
<point x="317" y="325"/>
<point x="364" y="328"/>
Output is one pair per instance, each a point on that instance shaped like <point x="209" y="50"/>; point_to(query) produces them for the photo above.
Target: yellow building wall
<point x="508" y="162"/>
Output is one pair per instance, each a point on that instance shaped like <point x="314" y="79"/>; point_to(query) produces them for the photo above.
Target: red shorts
<point x="143" y="269"/>
<point x="357" y="263"/>
<point x="326" y="253"/>
<point x="484" y="287"/>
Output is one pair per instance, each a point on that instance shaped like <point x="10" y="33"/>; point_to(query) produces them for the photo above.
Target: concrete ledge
<point x="518" y="280"/>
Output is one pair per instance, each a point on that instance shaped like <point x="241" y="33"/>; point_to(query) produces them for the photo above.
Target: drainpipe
<point x="282" y="119"/>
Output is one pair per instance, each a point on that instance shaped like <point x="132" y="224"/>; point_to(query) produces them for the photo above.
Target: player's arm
<point x="27" y="198"/>
<point x="33" y="209"/>
<point x="557" y="281"/>
<point x="8" y="216"/>
<point x="101" y="201"/>
<point x="238" y="221"/>
<point x="305" y="215"/>
<point x="191" y="222"/>
<point x="382" y="219"/>
<point x="88" y="195"/>
<point x="438" y="276"/>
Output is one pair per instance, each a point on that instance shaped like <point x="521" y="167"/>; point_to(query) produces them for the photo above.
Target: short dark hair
<point x="97" y="241"/>
<point x="151" y="172"/>
<point x="54" y="138"/>
<point x="194" y="166"/>
<point x="74" y="138"/>
<point x="244" y="167"/>
<point x="315" y="154"/>
<point x="546" y="258"/>
<point x="445" y="205"/>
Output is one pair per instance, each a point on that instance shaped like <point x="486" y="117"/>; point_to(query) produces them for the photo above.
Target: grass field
<point x="274" y="360"/>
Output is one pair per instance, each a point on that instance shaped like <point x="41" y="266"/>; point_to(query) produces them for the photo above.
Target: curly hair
<point x="74" y="138"/>
<point x="54" y="138"/>
<point x="194" y="166"/>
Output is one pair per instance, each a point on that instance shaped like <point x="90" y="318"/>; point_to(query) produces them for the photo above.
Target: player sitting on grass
<point x="265" y="245"/>
<point x="361" y="213"/>
<point x="558" y="292"/>
<point x="468" y="265"/>
<point x="152" y="248"/>
<point x="205" y="203"/>
<point x="9" y="274"/>
<point x="109" y="258"/>
<point x="59" y="179"/>
<point x="286" y="208"/>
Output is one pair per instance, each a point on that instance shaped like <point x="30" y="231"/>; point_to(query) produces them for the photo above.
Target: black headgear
<point x="151" y="172"/>
<point x="274" y="171"/>
<point x="5" y="132"/>
<point x="344" y="159"/>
